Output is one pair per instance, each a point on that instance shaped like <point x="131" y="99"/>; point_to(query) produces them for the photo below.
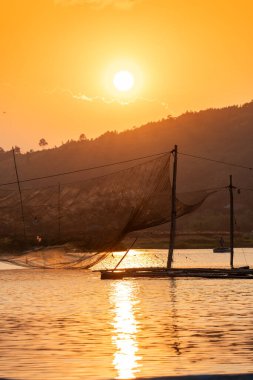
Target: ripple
<point x="68" y="324"/>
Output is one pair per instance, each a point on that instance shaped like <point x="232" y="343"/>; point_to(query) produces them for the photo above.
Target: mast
<point x="231" y="188"/>
<point x="173" y="210"/>
<point x="20" y="193"/>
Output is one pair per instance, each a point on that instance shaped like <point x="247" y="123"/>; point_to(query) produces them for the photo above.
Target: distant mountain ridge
<point x="222" y="134"/>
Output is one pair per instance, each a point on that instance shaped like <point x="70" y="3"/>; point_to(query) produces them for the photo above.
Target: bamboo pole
<point x="231" y="195"/>
<point x="59" y="212"/>
<point x="122" y="258"/>
<point x="20" y="193"/>
<point x="173" y="210"/>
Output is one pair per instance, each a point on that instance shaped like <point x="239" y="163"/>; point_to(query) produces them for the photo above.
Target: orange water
<point x="68" y="324"/>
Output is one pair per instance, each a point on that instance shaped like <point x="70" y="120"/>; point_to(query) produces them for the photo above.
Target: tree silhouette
<point x="82" y="137"/>
<point x="17" y="149"/>
<point x="43" y="142"/>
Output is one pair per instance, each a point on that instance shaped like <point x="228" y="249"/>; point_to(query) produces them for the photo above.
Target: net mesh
<point x="79" y="224"/>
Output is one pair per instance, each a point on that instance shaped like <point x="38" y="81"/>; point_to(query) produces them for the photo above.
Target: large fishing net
<point x="79" y="224"/>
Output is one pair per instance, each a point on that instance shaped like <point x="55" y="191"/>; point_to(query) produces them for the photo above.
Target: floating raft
<point x="237" y="273"/>
<point x="238" y="376"/>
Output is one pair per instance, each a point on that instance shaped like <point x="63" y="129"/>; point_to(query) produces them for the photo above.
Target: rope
<point x="239" y="230"/>
<point x="83" y="170"/>
<point x="202" y="190"/>
<point x="246" y="262"/>
<point x="123" y="162"/>
<point x="217" y="161"/>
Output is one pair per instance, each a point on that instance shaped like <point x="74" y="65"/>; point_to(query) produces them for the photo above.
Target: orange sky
<point x="57" y="58"/>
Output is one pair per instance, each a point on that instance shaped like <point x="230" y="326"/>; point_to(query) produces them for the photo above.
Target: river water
<point x="68" y="324"/>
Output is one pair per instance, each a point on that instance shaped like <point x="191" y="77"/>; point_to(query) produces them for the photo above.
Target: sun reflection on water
<point x="125" y="330"/>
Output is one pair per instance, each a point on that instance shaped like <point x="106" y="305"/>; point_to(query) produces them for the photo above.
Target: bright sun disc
<point x="123" y="80"/>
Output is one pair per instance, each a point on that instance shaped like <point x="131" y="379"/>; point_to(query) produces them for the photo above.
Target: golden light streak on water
<point x="70" y="325"/>
<point x="125" y="326"/>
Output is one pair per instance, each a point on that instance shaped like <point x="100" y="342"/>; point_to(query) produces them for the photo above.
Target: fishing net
<point x="79" y="224"/>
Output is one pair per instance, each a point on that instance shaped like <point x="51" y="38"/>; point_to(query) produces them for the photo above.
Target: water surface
<point x="68" y="324"/>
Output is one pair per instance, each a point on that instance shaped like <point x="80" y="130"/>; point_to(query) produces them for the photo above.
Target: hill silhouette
<point x="221" y="134"/>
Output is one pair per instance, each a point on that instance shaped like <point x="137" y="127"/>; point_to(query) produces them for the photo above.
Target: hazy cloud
<point x="102" y="99"/>
<point x="100" y="4"/>
<point x="119" y="101"/>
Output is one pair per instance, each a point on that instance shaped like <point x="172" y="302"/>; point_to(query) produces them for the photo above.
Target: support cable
<point x="126" y="161"/>
<point x="84" y="169"/>
<point x="216" y="161"/>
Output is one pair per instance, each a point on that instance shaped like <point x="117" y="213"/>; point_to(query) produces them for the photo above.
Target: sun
<point x="123" y="80"/>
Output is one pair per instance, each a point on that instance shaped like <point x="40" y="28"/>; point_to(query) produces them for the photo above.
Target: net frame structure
<point x="76" y="225"/>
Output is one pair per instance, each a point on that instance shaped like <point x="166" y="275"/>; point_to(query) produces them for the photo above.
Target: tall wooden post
<point x="231" y="188"/>
<point x="173" y="210"/>
<point x="20" y="193"/>
<point x="59" y="212"/>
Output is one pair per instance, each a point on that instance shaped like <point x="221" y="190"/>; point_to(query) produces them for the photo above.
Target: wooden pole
<point x="59" y="212"/>
<point x="231" y="188"/>
<point x="20" y="193"/>
<point x="173" y="210"/>
<point x="122" y="258"/>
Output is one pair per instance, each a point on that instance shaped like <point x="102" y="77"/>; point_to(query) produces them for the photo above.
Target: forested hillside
<point x="221" y="134"/>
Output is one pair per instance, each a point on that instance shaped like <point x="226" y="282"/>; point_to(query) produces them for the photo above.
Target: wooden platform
<point x="239" y="273"/>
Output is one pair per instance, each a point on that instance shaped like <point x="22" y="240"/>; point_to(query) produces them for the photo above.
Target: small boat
<point x="221" y="250"/>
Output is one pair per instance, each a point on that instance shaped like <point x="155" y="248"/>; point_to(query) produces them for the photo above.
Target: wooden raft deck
<point x="237" y="273"/>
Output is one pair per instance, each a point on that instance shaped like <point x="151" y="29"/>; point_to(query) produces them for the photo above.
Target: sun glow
<point x="123" y="80"/>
